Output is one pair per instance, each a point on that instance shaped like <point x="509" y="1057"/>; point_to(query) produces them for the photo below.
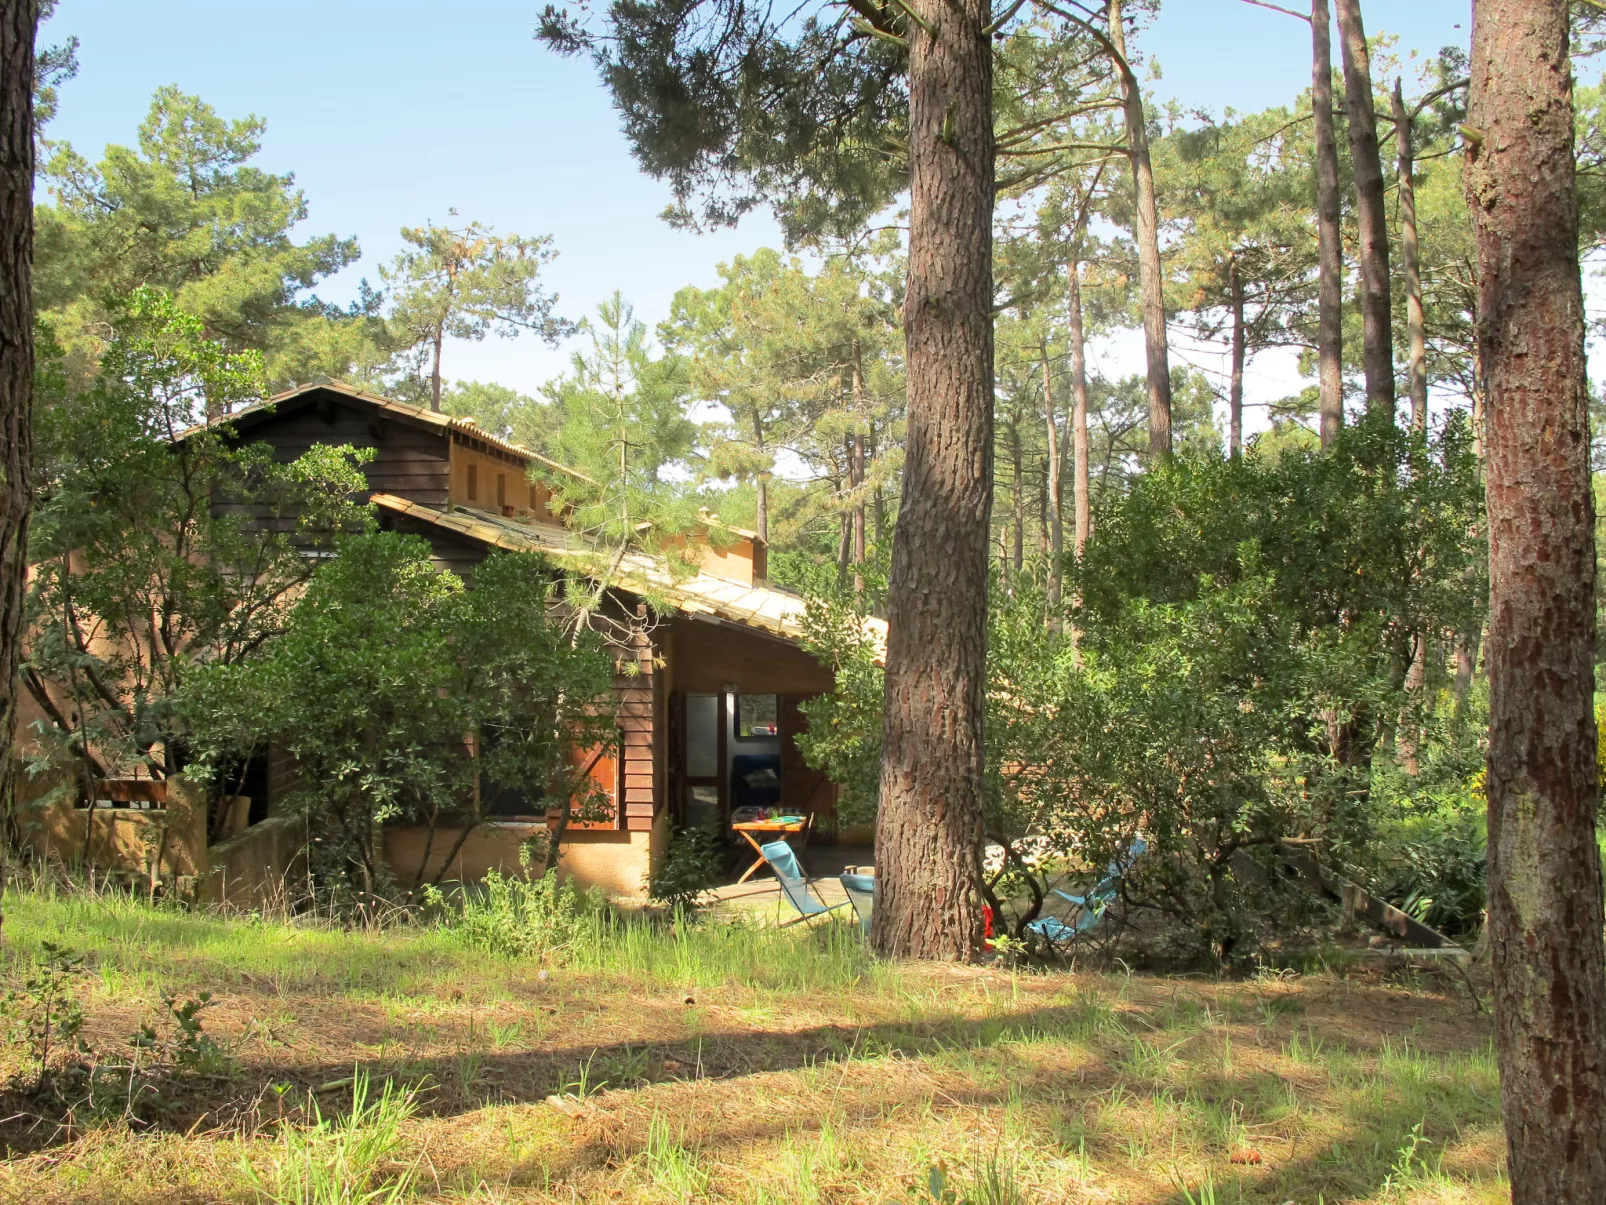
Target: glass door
<point x="704" y="762"/>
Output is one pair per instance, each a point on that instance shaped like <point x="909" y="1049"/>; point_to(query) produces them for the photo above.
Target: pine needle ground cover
<point x="731" y="1063"/>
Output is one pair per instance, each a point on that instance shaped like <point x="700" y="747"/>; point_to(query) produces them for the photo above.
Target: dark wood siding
<point x="447" y="549"/>
<point x="410" y="461"/>
<point x="635" y="701"/>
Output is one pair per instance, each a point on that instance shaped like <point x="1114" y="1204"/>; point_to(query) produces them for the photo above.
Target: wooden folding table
<point x="770" y="829"/>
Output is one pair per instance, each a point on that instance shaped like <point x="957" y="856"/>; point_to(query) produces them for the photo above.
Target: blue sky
<point x="391" y="113"/>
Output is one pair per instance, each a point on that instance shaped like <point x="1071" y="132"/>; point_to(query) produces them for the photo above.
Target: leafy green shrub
<point x="42" y="1014"/>
<point x="515" y="915"/>
<point x="1434" y="868"/>
<point x="691" y="866"/>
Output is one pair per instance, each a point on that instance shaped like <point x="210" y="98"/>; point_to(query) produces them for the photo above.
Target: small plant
<point x="516" y="916"/>
<point x="43" y="1014"/>
<point x="672" y="1169"/>
<point x="691" y="866"/>
<point x="180" y="1044"/>
<point x="992" y="1183"/>
<point x="341" y="1162"/>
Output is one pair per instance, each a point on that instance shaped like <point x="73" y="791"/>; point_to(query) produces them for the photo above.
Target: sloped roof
<point x="421" y="415"/>
<point x="769" y="608"/>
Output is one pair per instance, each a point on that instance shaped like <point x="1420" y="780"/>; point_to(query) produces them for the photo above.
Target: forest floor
<point x="731" y="1063"/>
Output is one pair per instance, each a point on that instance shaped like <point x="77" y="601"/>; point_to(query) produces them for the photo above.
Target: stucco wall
<point x="262" y="866"/>
<point x="613" y="861"/>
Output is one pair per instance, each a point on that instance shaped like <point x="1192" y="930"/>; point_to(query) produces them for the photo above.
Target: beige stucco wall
<point x="615" y="862"/>
<point x="120" y="839"/>
<point x="263" y="866"/>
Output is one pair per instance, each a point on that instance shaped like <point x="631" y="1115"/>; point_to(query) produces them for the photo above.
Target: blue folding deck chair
<point x="794" y="884"/>
<point x="861" y="894"/>
<point x="1087" y="910"/>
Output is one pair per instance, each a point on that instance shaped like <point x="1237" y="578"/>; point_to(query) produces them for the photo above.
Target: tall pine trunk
<point x="19" y="22"/>
<point x="1053" y="486"/>
<point x="1410" y="267"/>
<point x="1329" y="237"/>
<point x="856" y="470"/>
<point x="1081" y="476"/>
<point x="1371" y="219"/>
<point x="1235" y="390"/>
<point x="929" y="823"/>
<point x="1146" y="232"/>
<point x="1545" y="912"/>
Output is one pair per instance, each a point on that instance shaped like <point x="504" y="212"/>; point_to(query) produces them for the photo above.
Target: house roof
<point x="777" y="611"/>
<point x="420" y="415"/>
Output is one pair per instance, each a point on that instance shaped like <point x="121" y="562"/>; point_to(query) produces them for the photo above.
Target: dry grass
<point x="749" y="1066"/>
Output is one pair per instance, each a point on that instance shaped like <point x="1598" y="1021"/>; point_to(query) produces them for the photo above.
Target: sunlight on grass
<point x="735" y="1063"/>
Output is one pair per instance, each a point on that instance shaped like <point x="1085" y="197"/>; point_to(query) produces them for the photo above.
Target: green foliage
<point x="185" y="211"/>
<point x="516" y="916"/>
<point x="342" y="1161"/>
<point x="621" y="421"/>
<point x="179" y="1042"/>
<point x="464" y="283"/>
<point x="43" y="1014"/>
<point x="691" y="866"/>
<point x="1232" y="680"/>
<point x="737" y="107"/>
<point x="152" y="555"/>
<point x="396" y="690"/>
<point x="503" y="412"/>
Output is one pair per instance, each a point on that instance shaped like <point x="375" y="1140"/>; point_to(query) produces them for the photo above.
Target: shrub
<point x="515" y="915"/>
<point x="691" y="866"/>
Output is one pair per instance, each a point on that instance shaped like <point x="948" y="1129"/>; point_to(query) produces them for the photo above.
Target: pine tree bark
<point x="1053" y="487"/>
<point x="1235" y="390"/>
<point x="1545" y="908"/>
<point x="1017" y="462"/>
<point x="1410" y="266"/>
<point x="1081" y="475"/>
<point x="1329" y="238"/>
<point x="1146" y="232"/>
<point x="1371" y="219"/>
<point x="19" y="22"/>
<point x="929" y="823"/>
<point x="857" y="471"/>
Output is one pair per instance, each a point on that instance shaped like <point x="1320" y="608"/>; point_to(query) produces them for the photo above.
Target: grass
<point x="733" y="1063"/>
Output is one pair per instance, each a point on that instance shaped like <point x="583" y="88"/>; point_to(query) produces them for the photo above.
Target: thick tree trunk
<point x="1235" y="390"/>
<point x="929" y="824"/>
<point x="1410" y="266"/>
<point x="1053" y="486"/>
<point x="1081" y="475"/>
<point x="19" y="21"/>
<point x="1146" y="232"/>
<point x="1545" y="912"/>
<point x="1377" y="329"/>
<point x="1329" y="238"/>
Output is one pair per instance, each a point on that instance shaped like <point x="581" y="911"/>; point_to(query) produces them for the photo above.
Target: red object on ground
<point x="987" y="920"/>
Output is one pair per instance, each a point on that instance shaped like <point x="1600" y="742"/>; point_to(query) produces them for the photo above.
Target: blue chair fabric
<point x="794" y="884"/>
<point x="1089" y="909"/>
<point x="861" y="894"/>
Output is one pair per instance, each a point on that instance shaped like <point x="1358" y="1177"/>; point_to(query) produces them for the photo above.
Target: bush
<point x="691" y="866"/>
<point x="515" y="915"/>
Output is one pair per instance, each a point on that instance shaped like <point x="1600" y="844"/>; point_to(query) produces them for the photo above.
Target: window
<point x="535" y="503"/>
<point x="702" y="736"/>
<point x="756" y="717"/>
<point x="473" y="481"/>
<point x="501" y="489"/>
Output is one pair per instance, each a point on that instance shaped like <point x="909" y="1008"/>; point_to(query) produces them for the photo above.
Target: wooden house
<point x="707" y="722"/>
